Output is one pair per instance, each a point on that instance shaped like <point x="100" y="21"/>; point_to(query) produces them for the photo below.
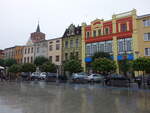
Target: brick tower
<point x="37" y="36"/>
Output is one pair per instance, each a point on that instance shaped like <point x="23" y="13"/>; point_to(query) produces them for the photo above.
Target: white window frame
<point x="146" y="36"/>
<point x="146" y="22"/>
<point x="148" y="51"/>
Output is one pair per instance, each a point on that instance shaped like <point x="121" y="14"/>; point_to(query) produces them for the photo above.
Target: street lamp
<point x="125" y="59"/>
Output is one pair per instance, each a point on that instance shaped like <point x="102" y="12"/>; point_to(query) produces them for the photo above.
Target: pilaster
<point x="83" y="47"/>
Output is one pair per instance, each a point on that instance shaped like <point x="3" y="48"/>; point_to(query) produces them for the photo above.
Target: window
<point x="28" y="50"/>
<point x="101" y="46"/>
<point x="57" y="41"/>
<point x="121" y="45"/>
<point x="77" y="43"/>
<point x="146" y="22"/>
<point x="57" y="58"/>
<point x="87" y="34"/>
<point x="124" y="27"/>
<point x="71" y="43"/>
<point x="94" y="48"/>
<point x="106" y="31"/>
<point x="125" y="45"/>
<point x="99" y="32"/>
<point x="128" y="44"/>
<point x="25" y="51"/>
<point x="37" y="50"/>
<point x="50" y="42"/>
<point x="146" y="36"/>
<point x="50" y="58"/>
<point x="94" y="33"/>
<point x="108" y="46"/>
<point x="24" y="59"/>
<point x="66" y="44"/>
<point x="147" y="51"/>
<point x="50" y="47"/>
<point x="57" y="46"/>
<point x="31" y="59"/>
<point x="66" y="56"/>
<point x="32" y="50"/>
<point x="28" y="60"/>
<point x="88" y="49"/>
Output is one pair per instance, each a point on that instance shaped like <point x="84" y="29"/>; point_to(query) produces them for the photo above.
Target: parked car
<point x="51" y="77"/>
<point x="25" y="76"/>
<point x="95" y="78"/>
<point x="42" y="76"/>
<point x="35" y="76"/>
<point x="117" y="80"/>
<point x="148" y="80"/>
<point x="79" y="77"/>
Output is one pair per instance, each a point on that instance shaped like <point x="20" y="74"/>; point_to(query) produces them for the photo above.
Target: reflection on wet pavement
<point x="41" y="97"/>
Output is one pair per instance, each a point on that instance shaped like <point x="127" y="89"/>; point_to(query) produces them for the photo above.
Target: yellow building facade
<point x="143" y="36"/>
<point x="125" y="33"/>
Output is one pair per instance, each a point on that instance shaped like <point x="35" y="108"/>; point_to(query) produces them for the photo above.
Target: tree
<point x="9" y="62"/>
<point x="141" y="64"/>
<point x="104" y="65"/>
<point x="48" y="67"/>
<point x="125" y="66"/>
<point x="1" y="62"/>
<point x="28" y="67"/>
<point x="147" y="69"/>
<point x="40" y="60"/>
<point x="73" y="66"/>
<point x="15" y="69"/>
<point x="101" y="55"/>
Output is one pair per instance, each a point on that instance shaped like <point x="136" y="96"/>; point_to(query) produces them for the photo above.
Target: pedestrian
<point x="139" y="82"/>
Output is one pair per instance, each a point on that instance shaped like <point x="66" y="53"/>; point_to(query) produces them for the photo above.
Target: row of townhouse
<point x="126" y="35"/>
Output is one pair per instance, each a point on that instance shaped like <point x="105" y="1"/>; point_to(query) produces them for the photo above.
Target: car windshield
<point x="43" y="73"/>
<point x="82" y="73"/>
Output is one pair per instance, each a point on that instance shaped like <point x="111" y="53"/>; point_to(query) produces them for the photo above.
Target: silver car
<point x="79" y="77"/>
<point x="95" y="78"/>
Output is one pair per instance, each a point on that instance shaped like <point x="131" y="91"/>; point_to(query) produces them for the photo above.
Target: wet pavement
<point x="41" y="97"/>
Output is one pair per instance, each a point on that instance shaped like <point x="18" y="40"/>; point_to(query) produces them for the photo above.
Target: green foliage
<point x="15" y="68"/>
<point x="1" y="62"/>
<point x="141" y="64"/>
<point x="40" y="60"/>
<point x="48" y="67"/>
<point x="125" y="66"/>
<point x="104" y="65"/>
<point x="9" y="62"/>
<point x="28" y="67"/>
<point x="73" y="66"/>
<point x="101" y="55"/>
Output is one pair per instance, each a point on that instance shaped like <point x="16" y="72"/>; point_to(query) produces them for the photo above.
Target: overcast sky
<point x="19" y="18"/>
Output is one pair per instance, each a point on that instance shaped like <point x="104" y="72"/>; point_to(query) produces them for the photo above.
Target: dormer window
<point x="124" y="27"/>
<point x="87" y="35"/>
<point x="99" y="32"/>
<point x="106" y="31"/>
<point x="94" y="33"/>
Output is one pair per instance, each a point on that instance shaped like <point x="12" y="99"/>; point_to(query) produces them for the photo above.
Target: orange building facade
<point x="19" y="54"/>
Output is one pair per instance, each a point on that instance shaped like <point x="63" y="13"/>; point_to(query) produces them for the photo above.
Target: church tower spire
<point x="38" y="28"/>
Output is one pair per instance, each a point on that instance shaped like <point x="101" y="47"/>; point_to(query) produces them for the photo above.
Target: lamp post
<point x="125" y="60"/>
